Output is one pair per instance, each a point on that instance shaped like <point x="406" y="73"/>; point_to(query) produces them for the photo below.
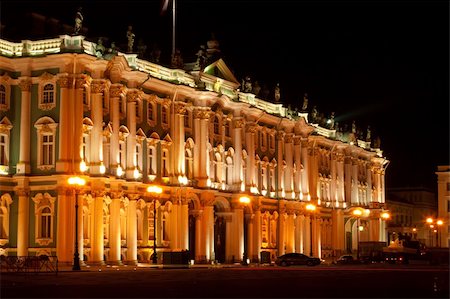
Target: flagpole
<point x="173" y="27"/>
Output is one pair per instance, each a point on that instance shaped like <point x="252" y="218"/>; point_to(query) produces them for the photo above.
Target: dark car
<point x="347" y="259"/>
<point x="289" y="259"/>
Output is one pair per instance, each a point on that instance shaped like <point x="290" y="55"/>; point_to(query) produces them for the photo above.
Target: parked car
<point x="289" y="259"/>
<point x="347" y="259"/>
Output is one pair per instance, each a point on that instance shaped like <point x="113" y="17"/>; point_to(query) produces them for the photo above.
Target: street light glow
<point x="310" y="207"/>
<point x="429" y="220"/>
<point x="357" y="212"/>
<point x="244" y="199"/>
<point x="439" y="222"/>
<point x="76" y="180"/>
<point x="154" y="189"/>
<point x="385" y="215"/>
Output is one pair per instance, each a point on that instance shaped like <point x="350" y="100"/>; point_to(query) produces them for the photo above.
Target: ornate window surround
<point x="5" y="81"/>
<point x="45" y="126"/>
<point x="42" y="201"/>
<point x="44" y="80"/>
<point x="5" y="202"/>
<point x="5" y="129"/>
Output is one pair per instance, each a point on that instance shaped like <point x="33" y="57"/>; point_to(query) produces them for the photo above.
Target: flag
<point x="164" y="6"/>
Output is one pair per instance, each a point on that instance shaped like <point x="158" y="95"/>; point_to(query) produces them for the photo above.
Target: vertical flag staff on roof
<point x="164" y="8"/>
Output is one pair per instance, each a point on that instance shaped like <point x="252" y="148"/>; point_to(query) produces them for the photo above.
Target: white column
<point x="97" y="238"/>
<point x="305" y="172"/>
<point x="23" y="227"/>
<point x="23" y="166"/>
<point x="116" y="92"/>
<point x="355" y="198"/>
<point x="250" y="165"/>
<point x="97" y="91"/>
<point x="298" y="234"/>
<point x="280" y="170"/>
<point x="114" y="231"/>
<point x="66" y="124"/>
<point x="298" y="166"/>
<point x="208" y="230"/>
<point x="131" y="139"/>
<point x="237" y="143"/>
<point x="257" y="235"/>
<point x="282" y="233"/>
<point x="184" y="231"/>
<point x="290" y="241"/>
<point x="201" y="154"/>
<point x="132" y="230"/>
<point x="239" y="232"/>
<point x="200" y="255"/>
<point x="289" y="155"/>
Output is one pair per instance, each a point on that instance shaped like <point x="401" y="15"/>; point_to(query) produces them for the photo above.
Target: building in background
<point x="410" y="208"/>
<point x="443" y="211"/>
<point x="71" y="107"/>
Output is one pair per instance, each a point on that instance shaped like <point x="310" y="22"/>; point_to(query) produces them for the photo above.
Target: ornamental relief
<point x="98" y="86"/>
<point x="238" y="123"/>
<point x="116" y="91"/>
<point x="25" y="84"/>
<point x="65" y="82"/>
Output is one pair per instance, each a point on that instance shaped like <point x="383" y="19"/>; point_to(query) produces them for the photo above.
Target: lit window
<point x="2" y="95"/>
<point x="165" y="161"/>
<point x="151" y="161"/>
<point x="48" y="96"/>
<point x="44" y="208"/>
<point x="3" y="150"/>
<point x="216" y="126"/>
<point x="164" y="115"/>
<point x="46" y="131"/>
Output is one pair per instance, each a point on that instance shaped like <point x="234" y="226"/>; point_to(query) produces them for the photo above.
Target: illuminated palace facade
<point x="124" y="124"/>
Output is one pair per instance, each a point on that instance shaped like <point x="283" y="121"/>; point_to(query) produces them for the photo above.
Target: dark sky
<point x="381" y="63"/>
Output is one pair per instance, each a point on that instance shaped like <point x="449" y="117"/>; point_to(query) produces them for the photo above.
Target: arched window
<point x="150" y="111"/>
<point x="46" y="135"/>
<point x="151" y="160"/>
<point x="164" y="115"/>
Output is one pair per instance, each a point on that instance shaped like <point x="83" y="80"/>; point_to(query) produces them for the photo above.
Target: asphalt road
<point x="239" y="282"/>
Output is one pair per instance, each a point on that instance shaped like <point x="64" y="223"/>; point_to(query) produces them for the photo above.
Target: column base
<point x="131" y="263"/>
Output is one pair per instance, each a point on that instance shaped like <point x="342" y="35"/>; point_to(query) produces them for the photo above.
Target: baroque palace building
<point x="123" y="124"/>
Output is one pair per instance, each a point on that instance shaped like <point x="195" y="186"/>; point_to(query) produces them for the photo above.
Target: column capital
<point x="133" y="196"/>
<point x="25" y="84"/>
<point x="180" y="109"/>
<point x="133" y="95"/>
<point x="65" y="81"/>
<point x="98" y="86"/>
<point x="238" y="122"/>
<point x="288" y="137"/>
<point x="202" y="113"/>
<point x="280" y="135"/>
<point x="251" y="127"/>
<point x="98" y="193"/>
<point x="116" y="194"/>
<point x="22" y="192"/>
<point x="297" y="140"/>
<point x="116" y="91"/>
<point x="82" y="81"/>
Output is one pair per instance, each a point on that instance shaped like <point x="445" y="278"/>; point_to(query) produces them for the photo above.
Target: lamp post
<point x="311" y="208"/>
<point x="385" y="216"/>
<point x="439" y="224"/>
<point x="430" y="221"/>
<point x="154" y="191"/>
<point x="77" y="182"/>
<point x="245" y="201"/>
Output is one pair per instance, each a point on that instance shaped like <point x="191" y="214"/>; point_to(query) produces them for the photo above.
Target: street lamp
<point x="438" y="237"/>
<point x="154" y="191"/>
<point x="245" y="201"/>
<point x="311" y="208"/>
<point x="77" y="182"/>
<point x="431" y="223"/>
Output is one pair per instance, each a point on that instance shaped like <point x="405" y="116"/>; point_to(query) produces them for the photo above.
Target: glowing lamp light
<point x="431" y="226"/>
<point x="429" y="220"/>
<point x="367" y="212"/>
<point x="414" y="229"/>
<point x="208" y="182"/>
<point x="154" y="189"/>
<point x="361" y="228"/>
<point x="183" y="180"/>
<point x="136" y="173"/>
<point x="439" y="222"/>
<point x="102" y="168"/>
<point x="242" y="187"/>
<point x="385" y="215"/>
<point x="83" y="166"/>
<point x="76" y="180"/>
<point x="357" y="212"/>
<point x="301" y="196"/>
<point x="119" y="171"/>
<point x="244" y="199"/>
<point x="311" y="207"/>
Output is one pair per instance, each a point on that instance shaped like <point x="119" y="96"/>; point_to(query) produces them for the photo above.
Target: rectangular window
<point x="165" y="166"/>
<point x="47" y="150"/>
<point x="151" y="160"/>
<point x="3" y="151"/>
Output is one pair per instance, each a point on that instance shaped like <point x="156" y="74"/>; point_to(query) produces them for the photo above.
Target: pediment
<point x="221" y="70"/>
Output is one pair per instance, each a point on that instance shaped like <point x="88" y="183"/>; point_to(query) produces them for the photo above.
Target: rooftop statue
<point x="201" y="58"/>
<point x="256" y="88"/>
<point x="213" y="51"/>
<point x="141" y="48"/>
<point x="305" y="102"/>
<point x="78" y="22"/>
<point x="354" y="127"/>
<point x="100" y="48"/>
<point x="247" y="84"/>
<point x="377" y="142"/>
<point x="177" y="60"/>
<point x="130" y="38"/>
<point x="331" y="121"/>
<point x="368" y="136"/>
<point x="314" y="113"/>
<point x="277" y="94"/>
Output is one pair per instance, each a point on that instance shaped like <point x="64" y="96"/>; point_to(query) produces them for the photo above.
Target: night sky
<point x="380" y="63"/>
